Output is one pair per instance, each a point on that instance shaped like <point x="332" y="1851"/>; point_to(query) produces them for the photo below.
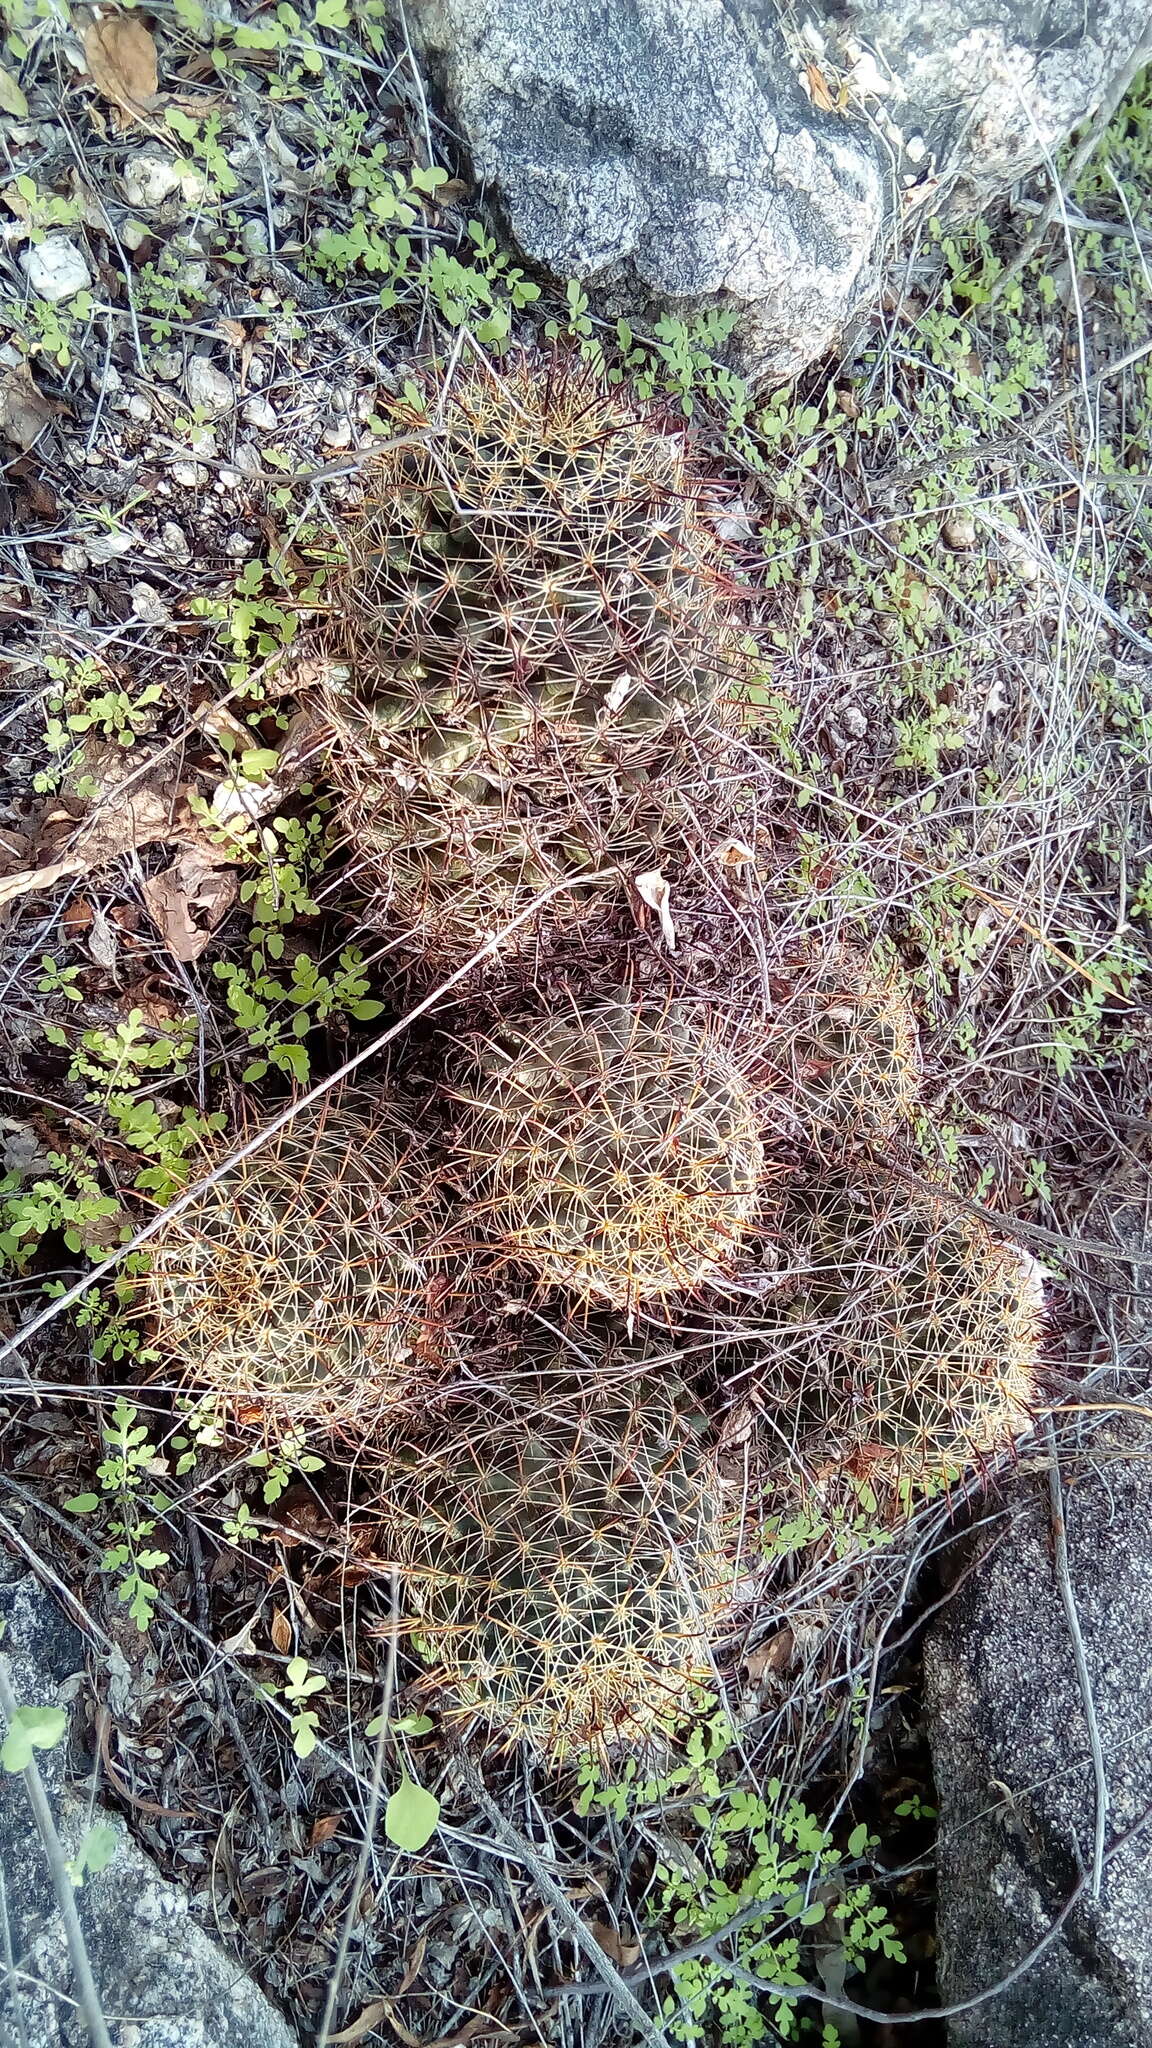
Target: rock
<point x="148" y="605"/>
<point x="56" y="269"/>
<point x="163" y="1982"/>
<point x="685" y="154"/>
<point x="1014" y="1779"/>
<point x="151" y="176"/>
<point x="258" y="412"/>
<point x="209" y="389"/>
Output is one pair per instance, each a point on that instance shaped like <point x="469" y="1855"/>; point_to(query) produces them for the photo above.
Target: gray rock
<point x="163" y="1983"/>
<point x="681" y="154"/>
<point x="1014" y="1778"/>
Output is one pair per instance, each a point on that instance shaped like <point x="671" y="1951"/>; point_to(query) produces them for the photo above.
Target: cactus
<point x="928" y="1329"/>
<point x="564" y="1561"/>
<point x="298" y="1286"/>
<point x="530" y="571"/>
<point x="449" y="876"/>
<point x="843" y="1046"/>
<point x="615" y="1151"/>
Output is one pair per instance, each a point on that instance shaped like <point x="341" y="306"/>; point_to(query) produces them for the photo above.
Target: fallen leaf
<point x="12" y="100"/>
<point x="774" y="1655"/>
<point x="323" y="1828"/>
<point x="653" y="890"/>
<point x="414" y="1967"/>
<point x="732" y="853"/>
<point x="102" y="940"/>
<point x="24" y="410"/>
<point x="622" y="1953"/>
<point x="121" y="56"/>
<point x="12" y="886"/>
<point x="281" y="1631"/>
<point x="193" y="882"/>
<point x="366" y="2022"/>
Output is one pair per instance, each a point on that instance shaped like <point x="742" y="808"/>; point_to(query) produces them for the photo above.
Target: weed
<point x="131" y="1462"/>
<point x="750" y="1850"/>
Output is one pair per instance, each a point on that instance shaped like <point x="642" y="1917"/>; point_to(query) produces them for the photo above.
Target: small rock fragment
<point x="192" y="475"/>
<point x="258" y="412"/>
<point x="238" y="544"/>
<point x="208" y="388"/>
<point x="959" y="529"/>
<point x="174" y="543"/>
<point x="149" y="606"/>
<point x="56" y="269"/>
<point x="138" y="406"/>
<point x="150" y="177"/>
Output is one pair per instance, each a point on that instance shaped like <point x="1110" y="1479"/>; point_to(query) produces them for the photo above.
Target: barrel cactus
<point x="530" y="569"/>
<point x="614" y="1150"/>
<point x="843" y="1045"/>
<point x="529" y="628"/>
<point x="299" y="1286"/>
<point x="927" y="1329"/>
<point x="564" y="1562"/>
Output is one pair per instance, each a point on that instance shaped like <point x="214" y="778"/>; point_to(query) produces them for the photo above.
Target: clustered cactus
<point x="299" y="1287"/>
<point x="565" y="1562"/>
<point x="532" y="628"/>
<point x="928" y="1328"/>
<point x="531" y="635"/>
<point x="614" y="1151"/>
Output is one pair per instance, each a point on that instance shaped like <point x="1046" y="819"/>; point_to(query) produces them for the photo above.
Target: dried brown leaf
<point x="654" y="890"/>
<point x="622" y="1953"/>
<point x="24" y="410"/>
<point x="121" y="56"/>
<point x="12" y="886"/>
<point x="323" y="1828"/>
<point x="193" y="883"/>
<point x="367" y="2021"/>
<point x="281" y="1631"/>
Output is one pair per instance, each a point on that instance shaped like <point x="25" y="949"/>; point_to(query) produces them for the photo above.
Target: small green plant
<point x="86" y="699"/>
<point x="30" y="1729"/>
<point x="276" y="1014"/>
<point x="749" y="1849"/>
<point x="301" y="1687"/>
<point x="134" y="1506"/>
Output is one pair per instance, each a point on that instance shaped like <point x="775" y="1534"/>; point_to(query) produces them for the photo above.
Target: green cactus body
<point x="564" y="1564"/>
<point x="844" y="1047"/>
<point x="298" y="1286"/>
<point x="614" y="1151"/>
<point x="928" y="1327"/>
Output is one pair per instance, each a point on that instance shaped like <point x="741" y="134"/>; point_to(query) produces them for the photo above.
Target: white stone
<point x="150" y="177"/>
<point x="139" y="406"/>
<point x="238" y="544"/>
<point x="258" y="412"/>
<point x="191" y="475"/>
<point x="149" y="606"/>
<point x="208" y="388"/>
<point x="73" y="558"/>
<point x="175" y="543"/>
<point x="56" y="269"/>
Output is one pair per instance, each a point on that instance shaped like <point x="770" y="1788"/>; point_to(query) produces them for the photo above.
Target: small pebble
<point x="149" y="606"/>
<point x="174" y="542"/>
<point x="74" y="558"/>
<point x="150" y="177"/>
<point x="55" y="269"/>
<point x="959" y="529"/>
<point x="258" y="412"/>
<point x="208" y="388"/>
<point x="139" y="406"/>
<point x="192" y="475"/>
<point x="167" y="364"/>
<point x="238" y="544"/>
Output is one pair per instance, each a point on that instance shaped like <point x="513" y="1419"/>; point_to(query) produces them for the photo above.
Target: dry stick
<point x="341" y="1962"/>
<point x="10" y="1964"/>
<point x="555" y="1897"/>
<point x="1083" y="1676"/>
<point x="88" y="1996"/>
<point x="262" y="1137"/>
